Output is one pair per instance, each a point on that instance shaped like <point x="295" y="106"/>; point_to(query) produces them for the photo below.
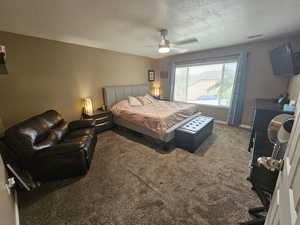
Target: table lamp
<point x="88" y="106"/>
<point x="156" y="92"/>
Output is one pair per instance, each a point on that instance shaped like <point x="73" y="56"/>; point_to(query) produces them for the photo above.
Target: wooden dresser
<point x="103" y="120"/>
<point x="265" y="111"/>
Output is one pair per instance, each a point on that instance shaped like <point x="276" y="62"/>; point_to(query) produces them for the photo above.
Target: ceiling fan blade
<point x="186" y="41"/>
<point x="150" y="46"/>
<point x="179" y="50"/>
<point x="173" y="45"/>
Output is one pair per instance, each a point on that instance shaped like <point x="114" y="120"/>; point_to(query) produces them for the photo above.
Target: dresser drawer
<point x="103" y="118"/>
<point x="103" y="126"/>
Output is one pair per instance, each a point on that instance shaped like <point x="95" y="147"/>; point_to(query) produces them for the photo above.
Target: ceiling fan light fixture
<point x="163" y="49"/>
<point x="164" y="46"/>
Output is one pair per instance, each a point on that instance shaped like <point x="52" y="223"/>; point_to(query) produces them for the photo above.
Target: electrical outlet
<point x="10" y="184"/>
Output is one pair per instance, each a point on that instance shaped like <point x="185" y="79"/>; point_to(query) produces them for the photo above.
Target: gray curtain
<point x="172" y="69"/>
<point x="238" y="93"/>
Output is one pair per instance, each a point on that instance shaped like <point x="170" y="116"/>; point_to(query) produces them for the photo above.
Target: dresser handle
<point x="101" y="124"/>
<point x="102" y="118"/>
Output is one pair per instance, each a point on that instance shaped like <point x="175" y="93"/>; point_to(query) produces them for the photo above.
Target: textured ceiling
<point x="132" y="25"/>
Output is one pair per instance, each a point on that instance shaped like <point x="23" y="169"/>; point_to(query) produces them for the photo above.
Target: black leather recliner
<point x="49" y="148"/>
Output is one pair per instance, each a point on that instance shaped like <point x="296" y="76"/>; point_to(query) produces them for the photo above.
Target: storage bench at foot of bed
<point x="191" y="134"/>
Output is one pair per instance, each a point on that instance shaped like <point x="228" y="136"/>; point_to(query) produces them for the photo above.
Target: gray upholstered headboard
<point x="115" y="94"/>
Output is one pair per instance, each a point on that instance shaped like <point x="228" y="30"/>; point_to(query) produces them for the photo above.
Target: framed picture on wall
<point x="151" y="75"/>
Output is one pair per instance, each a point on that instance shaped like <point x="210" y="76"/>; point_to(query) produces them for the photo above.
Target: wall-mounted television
<point x="284" y="61"/>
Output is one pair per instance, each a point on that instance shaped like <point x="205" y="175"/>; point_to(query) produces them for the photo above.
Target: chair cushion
<point x="79" y="133"/>
<point x="48" y="142"/>
<point x="81" y="139"/>
<point x="61" y="129"/>
<point x="52" y="118"/>
<point x="25" y="137"/>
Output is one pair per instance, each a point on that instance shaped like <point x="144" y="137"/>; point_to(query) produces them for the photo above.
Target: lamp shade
<point x="88" y="106"/>
<point x="156" y="91"/>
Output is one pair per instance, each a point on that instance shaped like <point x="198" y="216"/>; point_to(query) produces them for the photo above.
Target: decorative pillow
<point x="150" y="98"/>
<point x="144" y="100"/>
<point x="133" y="101"/>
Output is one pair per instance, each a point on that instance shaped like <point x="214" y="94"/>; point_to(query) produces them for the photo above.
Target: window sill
<point x="207" y="105"/>
<point x="212" y="106"/>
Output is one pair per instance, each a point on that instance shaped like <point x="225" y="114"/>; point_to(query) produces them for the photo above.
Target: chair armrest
<point x="60" y="149"/>
<point x="79" y="124"/>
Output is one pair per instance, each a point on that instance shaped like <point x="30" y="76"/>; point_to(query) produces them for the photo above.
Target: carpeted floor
<point x="133" y="183"/>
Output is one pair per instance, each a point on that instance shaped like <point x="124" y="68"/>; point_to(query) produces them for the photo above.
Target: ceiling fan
<point x="165" y="45"/>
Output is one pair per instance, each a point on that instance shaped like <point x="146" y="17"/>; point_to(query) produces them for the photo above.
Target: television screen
<point x="282" y="59"/>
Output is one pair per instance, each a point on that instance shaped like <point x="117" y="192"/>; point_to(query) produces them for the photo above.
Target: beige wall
<point x="46" y="74"/>
<point x="261" y="83"/>
<point x="294" y="84"/>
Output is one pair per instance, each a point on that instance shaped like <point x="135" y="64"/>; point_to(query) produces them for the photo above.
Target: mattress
<point x="157" y="117"/>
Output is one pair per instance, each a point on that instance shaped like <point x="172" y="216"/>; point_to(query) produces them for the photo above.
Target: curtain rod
<point x="204" y="59"/>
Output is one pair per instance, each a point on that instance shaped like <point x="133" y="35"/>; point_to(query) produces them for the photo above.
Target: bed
<point x="158" y="120"/>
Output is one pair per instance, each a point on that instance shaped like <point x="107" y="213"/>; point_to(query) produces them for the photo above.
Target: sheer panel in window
<point x="180" y="88"/>
<point x="228" y="82"/>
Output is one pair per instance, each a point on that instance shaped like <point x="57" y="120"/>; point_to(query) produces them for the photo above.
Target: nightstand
<point x="160" y="98"/>
<point x="103" y="120"/>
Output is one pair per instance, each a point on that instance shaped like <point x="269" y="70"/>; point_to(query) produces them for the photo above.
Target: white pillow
<point x="150" y="98"/>
<point x="133" y="101"/>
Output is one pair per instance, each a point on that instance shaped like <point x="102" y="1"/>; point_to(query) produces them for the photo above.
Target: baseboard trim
<point x="221" y="122"/>
<point x="244" y="126"/>
<point x="17" y="215"/>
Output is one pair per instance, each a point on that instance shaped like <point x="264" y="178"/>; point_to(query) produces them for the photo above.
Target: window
<point x="209" y="84"/>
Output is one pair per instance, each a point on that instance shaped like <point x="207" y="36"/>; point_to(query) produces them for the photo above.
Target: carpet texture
<point x="132" y="183"/>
